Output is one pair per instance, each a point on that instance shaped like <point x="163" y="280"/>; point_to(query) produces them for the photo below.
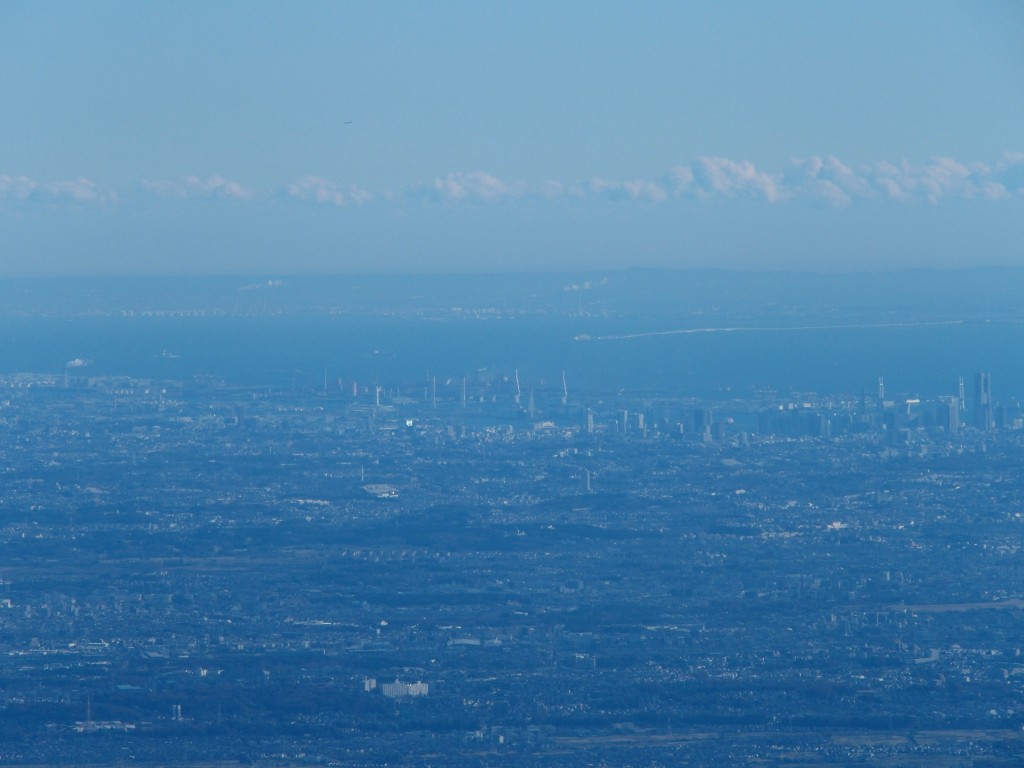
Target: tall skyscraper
<point x="983" y="401"/>
<point x="947" y="414"/>
<point x="702" y="423"/>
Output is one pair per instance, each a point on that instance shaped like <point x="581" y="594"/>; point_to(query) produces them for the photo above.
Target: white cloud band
<point x="825" y="179"/>
<point x="71" y="191"/>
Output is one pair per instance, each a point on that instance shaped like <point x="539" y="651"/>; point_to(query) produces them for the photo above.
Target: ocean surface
<point x="633" y="354"/>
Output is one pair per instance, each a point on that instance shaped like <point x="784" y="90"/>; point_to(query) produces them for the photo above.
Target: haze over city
<point x="465" y="384"/>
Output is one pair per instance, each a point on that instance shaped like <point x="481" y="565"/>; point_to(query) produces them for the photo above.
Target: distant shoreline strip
<point x="761" y="329"/>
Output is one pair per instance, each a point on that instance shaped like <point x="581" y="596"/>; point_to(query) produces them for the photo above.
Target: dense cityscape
<point x="534" y="385"/>
<point x="471" y="571"/>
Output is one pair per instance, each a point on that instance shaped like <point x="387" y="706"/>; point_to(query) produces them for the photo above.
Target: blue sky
<point x="180" y="138"/>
